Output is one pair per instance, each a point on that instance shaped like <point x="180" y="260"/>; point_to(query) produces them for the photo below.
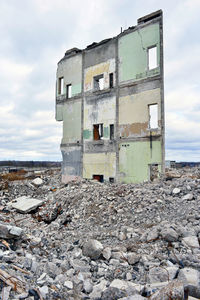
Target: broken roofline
<point x="140" y="22"/>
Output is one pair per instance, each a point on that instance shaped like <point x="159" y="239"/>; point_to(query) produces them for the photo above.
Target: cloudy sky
<point x="35" y="34"/>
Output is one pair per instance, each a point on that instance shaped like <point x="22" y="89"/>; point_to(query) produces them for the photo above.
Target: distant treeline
<point x="30" y="164"/>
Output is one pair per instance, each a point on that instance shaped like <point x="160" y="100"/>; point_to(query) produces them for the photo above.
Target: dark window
<point x="111" y="179"/>
<point x="98" y="178"/>
<point x="69" y="91"/>
<point x="60" y="85"/>
<point x="97" y="131"/>
<point x="111" y="80"/>
<point x="111" y="131"/>
<point x="99" y="82"/>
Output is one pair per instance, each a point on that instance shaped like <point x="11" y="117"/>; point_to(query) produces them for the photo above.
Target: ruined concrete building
<point x="111" y="101"/>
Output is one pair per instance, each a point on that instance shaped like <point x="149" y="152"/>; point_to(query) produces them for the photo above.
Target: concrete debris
<point x="37" y="181"/>
<point x="101" y="241"/>
<point x="10" y="232"/>
<point x="25" y="204"/>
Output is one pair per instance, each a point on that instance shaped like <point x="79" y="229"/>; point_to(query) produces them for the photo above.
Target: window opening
<point x="111" y="80"/>
<point x="99" y="82"/>
<point x="69" y="91"/>
<point x="98" y="178"/>
<point x="154" y="172"/>
<point x="153" y="116"/>
<point x="152" y="58"/>
<point x="111" y="131"/>
<point x="60" y="85"/>
<point x="111" y="179"/>
<point x="97" y="131"/>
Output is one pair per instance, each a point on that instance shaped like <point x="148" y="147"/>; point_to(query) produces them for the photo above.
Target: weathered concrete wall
<point x="71" y="166"/>
<point x="59" y="112"/>
<point x="98" y="111"/>
<point x="134" y="113"/>
<point x="71" y="70"/>
<point x="133" y="53"/>
<point x="99" y="164"/>
<point x="134" y="160"/>
<point x="113" y="84"/>
<point x="72" y="122"/>
<point x="104" y="68"/>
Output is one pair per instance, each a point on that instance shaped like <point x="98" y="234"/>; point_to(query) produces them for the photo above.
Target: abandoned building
<point x="110" y="98"/>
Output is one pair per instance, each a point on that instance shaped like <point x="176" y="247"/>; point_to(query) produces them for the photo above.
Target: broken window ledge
<point x="98" y="142"/>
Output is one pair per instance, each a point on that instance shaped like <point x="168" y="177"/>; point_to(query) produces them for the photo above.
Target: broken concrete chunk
<point x="191" y="279"/>
<point x="25" y="204"/>
<point x="169" y="234"/>
<point x="176" y="191"/>
<point x="191" y="241"/>
<point x="133" y="258"/>
<point x="188" y="197"/>
<point x="93" y="249"/>
<point x="173" y="291"/>
<point x="37" y="181"/>
<point x="10" y="232"/>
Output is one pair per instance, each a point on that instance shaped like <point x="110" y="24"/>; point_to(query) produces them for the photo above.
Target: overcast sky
<point x="35" y="34"/>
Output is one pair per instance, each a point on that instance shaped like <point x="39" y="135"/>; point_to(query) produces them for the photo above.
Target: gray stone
<point x="10" y="232"/>
<point x="80" y="265"/>
<point x="174" y="290"/>
<point x="93" y="249"/>
<point x="107" y="253"/>
<point x="133" y="258"/>
<point x="191" y="279"/>
<point x="44" y="291"/>
<point x="162" y="274"/>
<point x="112" y="293"/>
<point x="152" y="235"/>
<point x="169" y="234"/>
<point x="188" y="197"/>
<point x="87" y="286"/>
<point x="25" y="204"/>
<point x="176" y="191"/>
<point x="98" y="289"/>
<point x="191" y="241"/>
<point x="68" y="284"/>
<point x="37" y="181"/>
<point x="124" y="285"/>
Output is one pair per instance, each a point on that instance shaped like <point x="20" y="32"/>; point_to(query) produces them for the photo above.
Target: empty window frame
<point x="152" y="58"/>
<point x="60" y="85"/>
<point x="99" y="82"/>
<point x="69" y="91"/>
<point x="97" y="131"/>
<point x="111" y="80"/>
<point x="98" y="178"/>
<point x="111" y="131"/>
<point x="153" y="116"/>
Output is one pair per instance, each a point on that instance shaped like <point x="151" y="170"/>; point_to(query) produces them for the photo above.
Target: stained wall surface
<point x="99" y="164"/>
<point x="71" y="166"/>
<point x="135" y="158"/>
<point x="71" y="69"/>
<point x="134" y="113"/>
<point x="72" y="122"/>
<point x="133" y="53"/>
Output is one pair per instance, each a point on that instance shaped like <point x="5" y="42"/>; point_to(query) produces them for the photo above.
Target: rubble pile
<point x="92" y="240"/>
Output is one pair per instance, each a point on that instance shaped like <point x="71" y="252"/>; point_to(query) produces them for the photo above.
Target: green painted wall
<point x="76" y="89"/>
<point x="134" y="158"/>
<point x="133" y="54"/>
<point x="71" y="122"/>
<point x="59" y="112"/>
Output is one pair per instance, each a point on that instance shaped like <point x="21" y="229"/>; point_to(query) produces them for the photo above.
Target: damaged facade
<point x="110" y="98"/>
